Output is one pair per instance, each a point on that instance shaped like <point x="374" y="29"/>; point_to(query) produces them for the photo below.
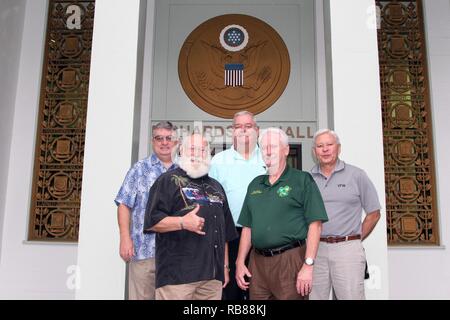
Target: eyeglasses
<point x="162" y="138"/>
<point x="246" y="126"/>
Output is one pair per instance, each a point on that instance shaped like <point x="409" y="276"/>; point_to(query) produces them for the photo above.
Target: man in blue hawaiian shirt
<point x="137" y="248"/>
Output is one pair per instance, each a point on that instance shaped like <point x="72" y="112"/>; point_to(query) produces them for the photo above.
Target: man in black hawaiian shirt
<point x="189" y="213"/>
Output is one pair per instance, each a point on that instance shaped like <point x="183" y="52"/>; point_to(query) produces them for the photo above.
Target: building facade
<point x="133" y="83"/>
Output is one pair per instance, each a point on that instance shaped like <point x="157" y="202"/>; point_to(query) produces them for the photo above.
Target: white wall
<point x="108" y="147"/>
<point x="424" y="273"/>
<point x="29" y="270"/>
<point x="357" y="115"/>
<point x="293" y="20"/>
<point x="11" y="26"/>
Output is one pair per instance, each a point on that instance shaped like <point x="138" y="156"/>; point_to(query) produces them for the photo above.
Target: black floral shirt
<point x="184" y="256"/>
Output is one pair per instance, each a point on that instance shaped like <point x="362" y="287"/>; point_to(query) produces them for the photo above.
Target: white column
<point x="357" y="114"/>
<point x="321" y="64"/>
<point x="147" y="83"/>
<point x="108" y="147"/>
<point x="11" y="24"/>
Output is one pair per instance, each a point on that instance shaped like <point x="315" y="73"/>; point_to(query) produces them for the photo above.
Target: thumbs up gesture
<point x="193" y="222"/>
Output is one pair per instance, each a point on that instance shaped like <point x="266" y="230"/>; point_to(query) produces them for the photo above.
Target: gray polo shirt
<point x="345" y="193"/>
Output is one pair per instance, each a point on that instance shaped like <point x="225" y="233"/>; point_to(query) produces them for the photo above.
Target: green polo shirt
<point x="279" y="214"/>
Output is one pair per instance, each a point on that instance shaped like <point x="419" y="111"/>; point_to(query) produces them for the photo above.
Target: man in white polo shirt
<point x="235" y="168"/>
<point x="346" y="191"/>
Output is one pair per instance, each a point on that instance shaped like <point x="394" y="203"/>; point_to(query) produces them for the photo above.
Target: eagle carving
<point x="233" y="62"/>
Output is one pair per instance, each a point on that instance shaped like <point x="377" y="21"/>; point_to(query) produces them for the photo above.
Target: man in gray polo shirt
<point x="346" y="191"/>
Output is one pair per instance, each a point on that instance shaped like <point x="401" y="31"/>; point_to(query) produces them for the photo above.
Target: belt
<point x="340" y="239"/>
<point x="275" y="251"/>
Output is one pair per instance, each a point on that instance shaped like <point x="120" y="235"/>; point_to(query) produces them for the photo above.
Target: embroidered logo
<point x="214" y="198"/>
<point x="284" y="191"/>
<point x="254" y="192"/>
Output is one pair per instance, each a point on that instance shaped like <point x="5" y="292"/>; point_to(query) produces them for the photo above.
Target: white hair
<point x="283" y="136"/>
<point x="186" y="141"/>
<point x="324" y="131"/>
<point x="244" y="113"/>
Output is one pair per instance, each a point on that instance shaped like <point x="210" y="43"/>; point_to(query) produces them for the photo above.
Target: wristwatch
<point x="309" y="261"/>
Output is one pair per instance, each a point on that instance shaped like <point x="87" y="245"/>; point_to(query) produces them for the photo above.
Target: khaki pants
<point x="141" y="280"/>
<point x="201" y="290"/>
<point x="275" y="278"/>
<point x="339" y="266"/>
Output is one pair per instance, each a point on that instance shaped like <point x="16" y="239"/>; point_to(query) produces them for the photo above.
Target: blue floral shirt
<point x="134" y="193"/>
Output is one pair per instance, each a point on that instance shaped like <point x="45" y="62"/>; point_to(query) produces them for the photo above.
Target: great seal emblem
<point x="234" y="62"/>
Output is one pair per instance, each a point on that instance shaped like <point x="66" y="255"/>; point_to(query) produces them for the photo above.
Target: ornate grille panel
<point x="408" y="147"/>
<point x="62" y="121"/>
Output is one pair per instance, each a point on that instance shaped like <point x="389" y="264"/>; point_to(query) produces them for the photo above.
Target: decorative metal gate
<point x="60" y="140"/>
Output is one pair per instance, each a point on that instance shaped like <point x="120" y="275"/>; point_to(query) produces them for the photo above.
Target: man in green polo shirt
<point x="282" y="212"/>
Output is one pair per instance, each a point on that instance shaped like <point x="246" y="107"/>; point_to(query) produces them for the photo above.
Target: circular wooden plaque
<point x="233" y="62"/>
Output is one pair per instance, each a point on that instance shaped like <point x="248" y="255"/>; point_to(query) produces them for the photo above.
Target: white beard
<point x="197" y="168"/>
<point x="274" y="165"/>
